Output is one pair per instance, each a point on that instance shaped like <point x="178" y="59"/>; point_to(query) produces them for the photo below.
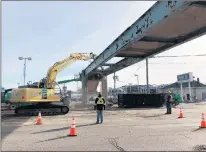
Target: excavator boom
<point x="59" y="66"/>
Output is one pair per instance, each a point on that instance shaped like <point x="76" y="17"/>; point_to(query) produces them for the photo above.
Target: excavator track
<point x="46" y="109"/>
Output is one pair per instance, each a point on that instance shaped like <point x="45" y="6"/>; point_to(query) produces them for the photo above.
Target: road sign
<point x="186" y="77"/>
<point x="2" y="89"/>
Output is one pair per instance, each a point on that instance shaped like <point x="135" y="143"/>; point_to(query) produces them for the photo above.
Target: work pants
<point x="169" y="108"/>
<point x="99" y="115"/>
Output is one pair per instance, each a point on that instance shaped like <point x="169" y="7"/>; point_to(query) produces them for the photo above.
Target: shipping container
<point x="141" y="100"/>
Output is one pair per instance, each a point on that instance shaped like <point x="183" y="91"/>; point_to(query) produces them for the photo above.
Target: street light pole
<point x="24" y="70"/>
<point x="25" y="58"/>
<point x="115" y="77"/>
<point x="76" y="76"/>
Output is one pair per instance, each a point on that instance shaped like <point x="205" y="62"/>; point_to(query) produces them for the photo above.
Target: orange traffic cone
<point x="181" y="114"/>
<point x="73" y="128"/>
<point x="39" y="119"/>
<point x="203" y="122"/>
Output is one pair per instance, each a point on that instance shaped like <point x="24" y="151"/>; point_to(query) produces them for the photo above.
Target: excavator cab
<point x="42" y="83"/>
<point x="92" y="55"/>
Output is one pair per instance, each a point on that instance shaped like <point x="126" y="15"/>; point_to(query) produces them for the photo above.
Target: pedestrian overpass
<point x="163" y="26"/>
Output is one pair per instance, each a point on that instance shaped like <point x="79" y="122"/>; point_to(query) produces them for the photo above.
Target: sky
<point x="50" y="31"/>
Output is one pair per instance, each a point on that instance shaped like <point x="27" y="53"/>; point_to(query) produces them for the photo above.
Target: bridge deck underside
<point x="174" y="30"/>
<point x="170" y="31"/>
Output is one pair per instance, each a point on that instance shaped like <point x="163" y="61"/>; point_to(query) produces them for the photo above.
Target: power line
<point x="141" y="66"/>
<point x="177" y="63"/>
<point x="122" y="82"/>
<point x="180" y="56"/>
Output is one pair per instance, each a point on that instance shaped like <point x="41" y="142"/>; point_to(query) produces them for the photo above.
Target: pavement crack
<point x="113" y="142"/>
<point x="199" y="148"/>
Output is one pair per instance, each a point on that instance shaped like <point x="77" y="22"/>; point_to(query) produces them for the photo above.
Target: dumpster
<point x="141" y="100"/>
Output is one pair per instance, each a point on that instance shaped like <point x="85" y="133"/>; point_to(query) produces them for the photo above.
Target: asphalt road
<point x="122" y="130"/>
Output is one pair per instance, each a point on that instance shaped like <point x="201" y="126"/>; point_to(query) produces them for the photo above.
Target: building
<point x="198" y="89"/>
<point x="141" y="89"/>
<point x="130" y="89"/>
<point x="113" y="92"/>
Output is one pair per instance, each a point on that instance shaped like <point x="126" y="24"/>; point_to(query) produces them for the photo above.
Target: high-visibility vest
<point x="100" y="101"/>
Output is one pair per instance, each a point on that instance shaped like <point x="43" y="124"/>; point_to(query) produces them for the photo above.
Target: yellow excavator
<point x="41" y="96"/>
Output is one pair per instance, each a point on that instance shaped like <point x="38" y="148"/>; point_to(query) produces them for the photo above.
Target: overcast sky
<point x="50" y="31"/>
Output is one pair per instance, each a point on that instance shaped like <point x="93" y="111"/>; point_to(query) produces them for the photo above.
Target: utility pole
<point x="22" y="58"/>
<point x="114" y="77"/>
<point x="137" y="82"/>
<point x="147" y="75"/>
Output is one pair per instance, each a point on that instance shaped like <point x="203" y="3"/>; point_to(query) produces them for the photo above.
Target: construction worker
<point x="100" y="106"/>
<point x="169" y="103"/>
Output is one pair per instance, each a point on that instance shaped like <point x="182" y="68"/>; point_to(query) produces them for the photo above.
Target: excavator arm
<point x="60" y="66"/>
<point x="69" y="80"/>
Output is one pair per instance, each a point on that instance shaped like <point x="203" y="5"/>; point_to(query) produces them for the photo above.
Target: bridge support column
<point x="84" y="90"/>
<point x="104" y="88"/>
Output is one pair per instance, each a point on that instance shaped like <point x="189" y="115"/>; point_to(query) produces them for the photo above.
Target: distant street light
<point x="22" y="58"/>
<point x="76" y="76"/>
<point x="130" y="88"/>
